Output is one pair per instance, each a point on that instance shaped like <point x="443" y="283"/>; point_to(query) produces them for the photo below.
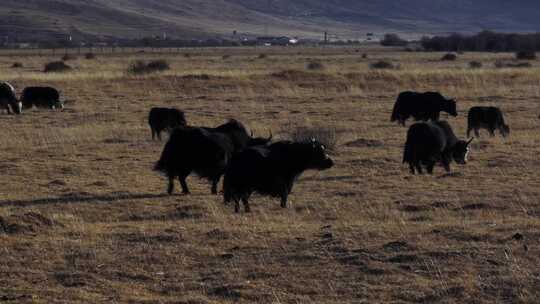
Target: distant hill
<point x="28" y="19"/>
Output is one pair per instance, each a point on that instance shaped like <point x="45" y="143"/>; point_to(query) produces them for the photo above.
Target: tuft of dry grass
<point x="383" y="64"/>
<point x="475" y="64"/>
<point x="526" y="55"/>
<point x="90" y="56"/>
<point x="315" y="66"/>
<point x="326" y="135"/>
<point x="56" y="67"/>
<point x="140" y="67"/>
<point x="67" y="57"/>
<point x="449" y="57"/>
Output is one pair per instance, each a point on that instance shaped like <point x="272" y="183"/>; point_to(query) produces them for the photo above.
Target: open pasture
<point x="84" y="219"/>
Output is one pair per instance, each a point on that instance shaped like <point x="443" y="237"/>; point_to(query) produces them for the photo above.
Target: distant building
<point x="20" y="45"/>
<point x="271" y="40"/>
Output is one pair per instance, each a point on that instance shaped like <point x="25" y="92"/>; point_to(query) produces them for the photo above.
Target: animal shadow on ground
<point x="82" y="198"/>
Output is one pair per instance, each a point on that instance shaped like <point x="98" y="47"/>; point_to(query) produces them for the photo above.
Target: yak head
<point x="58" y="105"/>
<point x="16" y="106"/>
<point x="179" y="119"/>
<point x="505" y="130"/>
<point x="14" y="103"/>
<point x="318" y="158"/>
<point x="451" y="107"/>
<point x="461" y="151"/>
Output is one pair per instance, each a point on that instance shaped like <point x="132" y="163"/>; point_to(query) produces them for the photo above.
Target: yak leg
<point x="419" y="168"/>
<point x="158" y="131"/>
<point x="183" y="183"/>
<point x="411" y="168"/>
<point x="476" y="133"/>
<point x="153" y="133"/>
<point x="8" y="108"/>
<point x="215" y="182"/>
<point x="446" y="160"/>
<point x="446" y="164"/>
<point x="236" y="205"/>
<point x="170" y="189"/>
<point x="430" y="167"/>
<point x="246" y="204"/>
<point x="284" y="196"/>
<point x="492" y="131"/>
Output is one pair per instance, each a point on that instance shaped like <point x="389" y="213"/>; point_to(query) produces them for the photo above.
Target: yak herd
<point x="40" y="97"/>
<point x="250" y="164"/>
<point x="434" y="141"/>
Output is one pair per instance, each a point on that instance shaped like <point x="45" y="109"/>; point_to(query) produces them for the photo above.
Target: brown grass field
<point x="84" y="219"/>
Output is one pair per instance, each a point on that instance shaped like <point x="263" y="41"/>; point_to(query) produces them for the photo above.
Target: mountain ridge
<point x="216" y="18"/>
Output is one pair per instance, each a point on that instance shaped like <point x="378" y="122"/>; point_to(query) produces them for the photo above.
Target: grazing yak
<point x="432" y="142"/>
<point x="8" y="98"/>
<point x="161" y="119"/>
<point x="490" y="118"/>
<point x="205" y="151"/>
<point x="271" y="170"/>
<point x="41" y="97"/>
<point x="421" y="106"/>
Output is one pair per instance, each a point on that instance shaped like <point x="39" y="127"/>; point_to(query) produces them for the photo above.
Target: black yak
<point x="8" y="99"/>
<point x="271" y="170"/>
<point x="41" y="97"/>
<point x="432" y="142"/>
<point x="490" y="118"/>
<point x="167" y="119"/>
<point x="422" y="106"/>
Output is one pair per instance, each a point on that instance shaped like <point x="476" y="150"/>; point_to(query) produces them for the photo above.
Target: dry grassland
<point x="84" y="219"/>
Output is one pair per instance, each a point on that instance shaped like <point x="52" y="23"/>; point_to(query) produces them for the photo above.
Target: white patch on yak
<point x="467" y="154"/>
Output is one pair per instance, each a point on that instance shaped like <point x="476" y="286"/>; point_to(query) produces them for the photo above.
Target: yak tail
<point x="395" y="111"/>
<point x="160" y="165"/>
<point x="407" y="152"/>
<point x="163" y="163"/>
<point x="227" y="190"/>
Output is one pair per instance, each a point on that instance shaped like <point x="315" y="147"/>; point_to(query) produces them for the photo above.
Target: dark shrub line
<point x="56" y="67"/>
<point x="449" y="57"/>
<point x="383" y="64"/>
<point x="485" y="41"/>
<point x="140" y="67"/>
